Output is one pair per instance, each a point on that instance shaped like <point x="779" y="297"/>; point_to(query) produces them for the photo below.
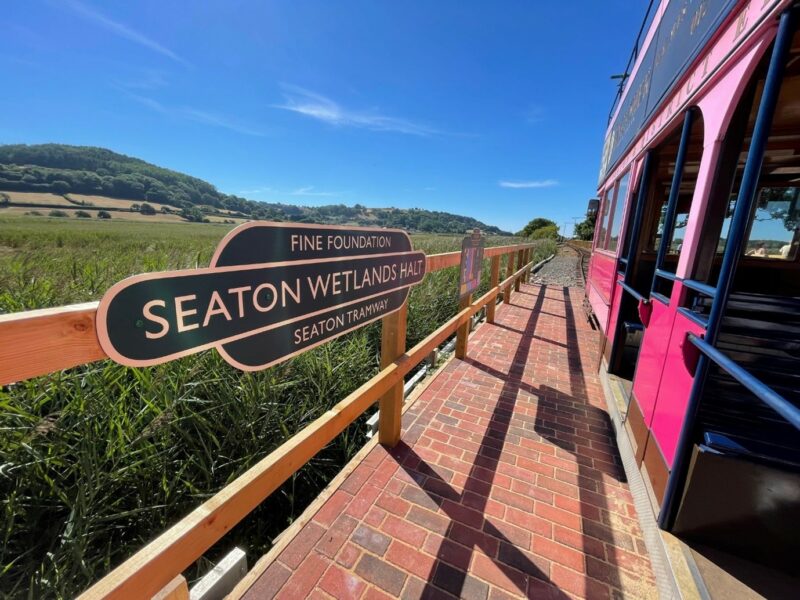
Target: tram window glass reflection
<point x="678" y="233"/>
<point x="606" y="211"/>
<point x="775" y="224"/>
<point x="619" y="206"/>
<point x="726" y="225"/>
<point x="679" y="228"/>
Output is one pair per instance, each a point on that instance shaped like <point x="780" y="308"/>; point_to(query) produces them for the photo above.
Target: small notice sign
<point x="272" y="291"/>
<point x="471" y="262"/>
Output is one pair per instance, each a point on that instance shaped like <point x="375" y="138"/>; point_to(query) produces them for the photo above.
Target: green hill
<point x="62" y="169"/>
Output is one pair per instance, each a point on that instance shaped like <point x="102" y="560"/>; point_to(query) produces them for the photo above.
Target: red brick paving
<point x="506" y="482"/>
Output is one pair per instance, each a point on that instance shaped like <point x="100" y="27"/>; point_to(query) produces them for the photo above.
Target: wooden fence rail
<point x="42" y="341"/>
<point x="39" y="342"/>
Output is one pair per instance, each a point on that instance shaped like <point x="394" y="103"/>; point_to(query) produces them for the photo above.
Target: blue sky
<point x="495" y="110"/>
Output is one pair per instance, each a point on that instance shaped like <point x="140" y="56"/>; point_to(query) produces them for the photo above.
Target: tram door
<point x="647" y="266"/>
<point x="647" y="270"/>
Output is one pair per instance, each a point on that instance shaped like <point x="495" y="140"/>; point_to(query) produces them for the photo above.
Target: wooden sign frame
<point x="272" y="291"/>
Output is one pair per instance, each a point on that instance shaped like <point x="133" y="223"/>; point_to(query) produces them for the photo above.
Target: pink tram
<point x="694" y="277"/>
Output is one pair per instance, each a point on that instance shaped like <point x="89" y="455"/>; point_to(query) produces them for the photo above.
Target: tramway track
<point x="583" y="255"/>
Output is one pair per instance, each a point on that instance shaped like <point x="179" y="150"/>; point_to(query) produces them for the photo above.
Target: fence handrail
<point x="40" y="342"/>
<point x="155" y="565"/>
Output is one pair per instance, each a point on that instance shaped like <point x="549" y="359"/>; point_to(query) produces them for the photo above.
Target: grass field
<point x="97" y="460"/>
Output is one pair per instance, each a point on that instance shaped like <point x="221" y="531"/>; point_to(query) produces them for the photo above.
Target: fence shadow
<point x="558" y="415"/>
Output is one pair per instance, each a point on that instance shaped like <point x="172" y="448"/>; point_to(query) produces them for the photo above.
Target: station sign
<point x="471" y="263"/>
<point x="272" y="291"/>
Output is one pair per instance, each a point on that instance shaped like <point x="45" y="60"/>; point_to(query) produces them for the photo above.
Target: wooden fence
<point x="43" y="341"/>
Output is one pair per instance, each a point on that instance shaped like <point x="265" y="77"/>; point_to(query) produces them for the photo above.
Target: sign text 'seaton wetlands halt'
<point x="273" y="290"/>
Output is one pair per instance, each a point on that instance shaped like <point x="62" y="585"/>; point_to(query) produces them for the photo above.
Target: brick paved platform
<point x="506" y="483"/>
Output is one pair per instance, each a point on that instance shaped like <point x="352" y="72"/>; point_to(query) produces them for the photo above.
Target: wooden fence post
<point x="520" y="258"/>
<point x="494" y="280"/>
<point x="177" y="589"/>
<point x="462" y="333"/>
<point x="509" y="273"/>
<point x="393" y="345"/>
<point x="528" y="257"/>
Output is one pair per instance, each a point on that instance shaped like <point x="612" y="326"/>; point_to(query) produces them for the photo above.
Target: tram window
<point x="606" y="211"/>
<point x="616" y="219"/>
<point x="775" y="224"/>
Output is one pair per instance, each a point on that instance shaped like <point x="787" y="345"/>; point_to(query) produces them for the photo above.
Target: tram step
<point x="745" y="507"/>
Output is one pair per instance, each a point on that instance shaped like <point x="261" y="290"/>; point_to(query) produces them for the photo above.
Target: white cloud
<point x="123" y="30"/>
<point x="519" y="185"/>
<point x="149" y="103"/>
<point x="309" y="191"/>
<point x="217" y="120"/>
<point x="306" y="190"/>
<point x="195" y="114"/>
<point x="316" y="106"/>
<point x="145" y="79"/>
<point x="259" y="190"/>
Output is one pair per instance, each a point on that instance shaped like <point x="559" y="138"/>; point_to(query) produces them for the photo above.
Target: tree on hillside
<point x="192" y="214"/>
<point x="60" y="187"/>
<point x="103" y="214"/>
<point x="147" y="209"/>
<point x="537" y="223"/>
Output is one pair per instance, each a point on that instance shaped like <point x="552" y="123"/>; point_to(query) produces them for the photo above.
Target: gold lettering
<point x="699" y="13"/>
<point x="240" y="295"/>
<point x="216" y="307"/>
<point x="741" y="22"/>
<point x="269" y="307"/>
<point x="180" y="313"/>
<point x="294" y="293"/>
<point x="147" y="311"/>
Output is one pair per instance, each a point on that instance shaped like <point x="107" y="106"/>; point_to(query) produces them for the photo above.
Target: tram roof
<point x="678" y="33"/>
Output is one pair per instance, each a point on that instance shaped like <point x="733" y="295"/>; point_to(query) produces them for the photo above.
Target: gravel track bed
<point x="563" y="270"/>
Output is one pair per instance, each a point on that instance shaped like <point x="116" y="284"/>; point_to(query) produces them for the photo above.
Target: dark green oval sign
<point x="272" y="291"/>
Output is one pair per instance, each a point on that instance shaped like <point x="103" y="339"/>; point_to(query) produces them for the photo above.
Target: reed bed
<point x="96" y="461"/>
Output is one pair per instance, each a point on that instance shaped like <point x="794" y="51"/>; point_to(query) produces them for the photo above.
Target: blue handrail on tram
<point x="666" y="274"/>
<point x="698" y="286"/>
<point x="660" y="297"/>
<point x="761" y="390"/>
<point x="632" y="292"/>
<point x="698" y="318"/>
